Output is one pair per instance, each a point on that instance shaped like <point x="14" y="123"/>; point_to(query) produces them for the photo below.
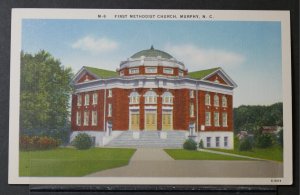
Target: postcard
<point x="157" y="97"/>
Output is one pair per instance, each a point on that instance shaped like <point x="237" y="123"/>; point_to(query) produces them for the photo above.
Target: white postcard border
<point x="216" y="15"/>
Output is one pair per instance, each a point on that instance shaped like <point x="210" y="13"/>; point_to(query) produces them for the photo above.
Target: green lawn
<point x="274" y="153"/>
<point x="181" y="154"/>
<point x="71" y="162"/>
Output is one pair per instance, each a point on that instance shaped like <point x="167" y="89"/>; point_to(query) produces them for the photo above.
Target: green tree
<point x="251" y="118"/>
<point x="45" y="91"/>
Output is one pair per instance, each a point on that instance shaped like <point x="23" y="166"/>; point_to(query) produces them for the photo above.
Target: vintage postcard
<point x="177" y="97"/>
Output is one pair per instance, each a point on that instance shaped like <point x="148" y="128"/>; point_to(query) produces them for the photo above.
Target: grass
<point x="181" y="154"/>
<point x="274" y="153"/>
<point x="71" y="162"/>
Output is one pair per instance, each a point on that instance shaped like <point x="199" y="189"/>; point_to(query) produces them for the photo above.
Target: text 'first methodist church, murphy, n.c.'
<point x="152" y="100"/>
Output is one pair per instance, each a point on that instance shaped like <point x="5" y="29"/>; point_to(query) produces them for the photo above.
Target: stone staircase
<point x="149" y="139"/>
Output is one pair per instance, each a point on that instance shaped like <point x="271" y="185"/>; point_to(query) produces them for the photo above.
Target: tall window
<point x="79" y="100"/>
<point x="208" y="142"/>
<point x="110" y="93"/>
<point x="134" y="98"/>
<point x="94" y="118"/>
<point x="216" y="119"/>
<point x="191" y="93"/>
<point x="207" y="99"/>
<point x="86" y="99"/>
<point x="207" y="118"/>
<point x="150" y="97"/>
<point x="217" y="141"/>
<point x="191" y="110"/>
<point x="224" y="119"/>
<point x="86" y="118"/>
<point x="216" y="100"/>
<point x="109" y="110"/>
<point x="167" y="98"/>
<point x="224" y="101"/>
<point x="225" y="141"/>
<point x="78" y="118"/>
<point x="95" y="98"/>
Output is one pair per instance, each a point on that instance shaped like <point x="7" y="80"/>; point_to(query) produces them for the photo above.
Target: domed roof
<point x="152" y="53"/>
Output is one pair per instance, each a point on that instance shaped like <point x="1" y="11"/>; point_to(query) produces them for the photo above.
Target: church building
<point x="152" y="91"/>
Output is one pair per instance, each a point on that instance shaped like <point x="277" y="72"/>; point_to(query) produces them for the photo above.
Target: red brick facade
<point x="86" y="77"/>
<point x="183" y="100"/>
<point x="216" y="77"/>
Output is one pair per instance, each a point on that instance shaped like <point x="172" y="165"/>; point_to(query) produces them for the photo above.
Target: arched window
<point x="134" y="98"/>
<point x="167" y="98"/>
<point x="224" y="101"/>
<point x="207" y="99"/>
<point x="150" y="97"/>
<point x="216" y="100"/>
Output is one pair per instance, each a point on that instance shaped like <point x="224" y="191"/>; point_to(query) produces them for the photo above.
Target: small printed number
<point x="276" y="180"/>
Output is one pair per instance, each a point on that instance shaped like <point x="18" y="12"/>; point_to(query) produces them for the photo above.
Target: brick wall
<point x="204" y="108"/>
<point x="98" y="107"/>
<point x="120" y="107"/>
<point x="85" y="77"/>
<point x="181" y="109"/>
<point x="216" y="76"/>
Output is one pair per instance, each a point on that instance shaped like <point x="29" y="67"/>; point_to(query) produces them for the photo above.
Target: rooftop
<point x="152" y="53"/>
<point x="202" y="73"/>
<point x="101" y="72"/>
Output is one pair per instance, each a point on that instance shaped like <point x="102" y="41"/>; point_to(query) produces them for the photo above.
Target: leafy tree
<point x="251" y="118"/>
<point x="45" y="91"/>
<point x="264" y="140"/>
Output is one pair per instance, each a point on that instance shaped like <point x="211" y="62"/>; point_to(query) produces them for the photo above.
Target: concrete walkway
<point x="229" y="154"/>
<point x="154" y="162"/>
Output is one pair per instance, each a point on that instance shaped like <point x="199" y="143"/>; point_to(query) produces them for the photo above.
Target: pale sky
<point x="249" y="52"/>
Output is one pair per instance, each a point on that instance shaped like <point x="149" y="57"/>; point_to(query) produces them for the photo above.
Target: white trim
<point x="134" y="107"/>
<point x="150" y="107"/>
<point x="151" y="61"/>
<point x="167" y="108"/>
<point x="153" y="83"/>
<point x="225" y="77"/>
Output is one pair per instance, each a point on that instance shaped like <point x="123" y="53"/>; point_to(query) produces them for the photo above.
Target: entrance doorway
<point x="167" y="121"/>
<point x="150" y="122"/>
<point x="134" y="120"/>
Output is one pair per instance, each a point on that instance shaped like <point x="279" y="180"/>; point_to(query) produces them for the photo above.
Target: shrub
<point x="201" y="144"/>
<point x="264" y="141"/>
<point x="190" y="144"/>
<point x="38" y="142"/>
<point x="245" y="145"/>
<point x="82" y="141"/>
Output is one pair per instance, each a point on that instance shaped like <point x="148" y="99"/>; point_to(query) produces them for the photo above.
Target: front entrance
<point x="150" y="122"/>
<point x="167" y="121"/>
<point x="134" y="121"/>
